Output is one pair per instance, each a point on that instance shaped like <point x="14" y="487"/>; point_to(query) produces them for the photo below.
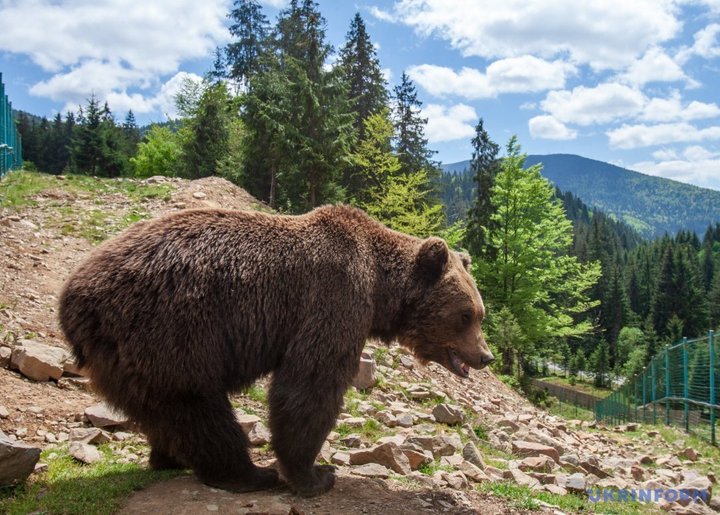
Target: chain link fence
<point x="10" y="140"/>
<point x="680" y="386"/>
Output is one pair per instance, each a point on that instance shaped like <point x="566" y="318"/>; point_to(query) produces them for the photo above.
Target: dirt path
<point x="351" y="496"/>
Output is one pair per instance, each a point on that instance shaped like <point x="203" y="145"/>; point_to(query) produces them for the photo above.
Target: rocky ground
<point x="412" y="439"/>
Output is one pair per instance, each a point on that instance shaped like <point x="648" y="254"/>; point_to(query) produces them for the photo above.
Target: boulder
<point x="576" y="483"/>
<point x="101" y="415"/>
<point x="84" y="452"/>
<point x="340" y="458"/>
<point x="259" y="435"/>
<point x="365" y="377"/>
<point x="5" y="355"/>
<point x="247" y="422"/>
<point x="4" y="413"/>
<point x="416" y="458"/>
<point x="698" y="488"/>
<point x="525" y="449"/>
<point x="456" y="480"/>
<point x="472" y="455"/>
<point x="448" y="414"/>
<point x="472" y="472"/>
<point x="38" y="361"/>
<point x="371" y="470"/>
<point x="537" y="464"/>
<point x="17" y="460"/>
<point x="521" y="478"/>
<point x="386" y="454"/>
<point x="690" y="454"/>
<point x="92" y="435"/>
<point x="405" y="420"/>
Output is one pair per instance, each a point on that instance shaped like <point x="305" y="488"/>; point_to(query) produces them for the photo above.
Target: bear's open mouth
<point x="458" y="366"/>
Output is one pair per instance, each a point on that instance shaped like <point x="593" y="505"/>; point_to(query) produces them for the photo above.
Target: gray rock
<point x="101" y="415"/>
<point x="525" y="449"/>
<point x="576" y="483"/>
<point x="365" y="377"/>
<point x="387" y="454"/>
<point x="17" y="460"/>
<point x="456" y="480"/>
<point x="446" y="445"/>
<point x="471" y="454"/>
<point x="5" y="355"/>
<point x="521" y="478"/>
<point x="259" y="435"/>
<point x="407" y="361"/>
<point x="405" y="420"/>
<point x="352" y="440"/>
<point x="91" y="435"/>
<point x="473" y="472"/>
<point x="340" y="458"/>
<point x="4" y="413"/>
<point x="371" y="470"/>
<point x="84" y="452"/>
<point x="247" y="422"/>
<point x="537" y="464"/>
<point x="448" y="414"/>
<point x="38" y="361"/>
<point x="697" y="488"/>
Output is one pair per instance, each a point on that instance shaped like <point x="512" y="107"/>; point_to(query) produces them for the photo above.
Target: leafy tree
<point x="231" y="165"/>
<point x="578" y="362"/>
<point x="158" y="154"/>
<point x="631" y="346"/>
<point x="531" y="273"/>
<point x="506" y="336"/>
<point x="484" y="166"/>
<point x="410" y="143"/>
<point x="600" y="363"/>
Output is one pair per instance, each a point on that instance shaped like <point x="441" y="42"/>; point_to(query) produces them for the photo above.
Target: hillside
<point x="472" y="446"/>
<point x="651" y="205"/>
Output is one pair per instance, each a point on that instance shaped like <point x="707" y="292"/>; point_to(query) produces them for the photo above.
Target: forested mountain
<point x="651" y="205"/>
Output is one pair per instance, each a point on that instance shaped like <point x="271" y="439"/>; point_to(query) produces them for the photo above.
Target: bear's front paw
<point x="261" y="479"/>
<point x="321" y="480"/>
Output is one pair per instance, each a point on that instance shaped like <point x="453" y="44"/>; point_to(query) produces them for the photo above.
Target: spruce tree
<point x="249" y="28"/>
<point x="484" y="166"/>
<point x="87" y="145"/>
<point x="361" y="71"/>
<point x="411" y="143"/>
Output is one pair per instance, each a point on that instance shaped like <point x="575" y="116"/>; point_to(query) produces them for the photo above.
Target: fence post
<point x="711" y="343"/>
<point x="667" y="385"/>
<point x="644" y="392"/>
<point x="685" y="385"/>
<point x="652" y="390"/>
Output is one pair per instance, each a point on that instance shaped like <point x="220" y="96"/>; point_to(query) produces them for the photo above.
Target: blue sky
<point x="635" y="83"/>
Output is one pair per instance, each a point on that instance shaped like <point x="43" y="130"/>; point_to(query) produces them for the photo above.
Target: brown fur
<point x="174" y="313"/>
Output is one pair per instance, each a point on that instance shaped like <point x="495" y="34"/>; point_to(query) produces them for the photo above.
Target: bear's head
<point x="444" y="312"/>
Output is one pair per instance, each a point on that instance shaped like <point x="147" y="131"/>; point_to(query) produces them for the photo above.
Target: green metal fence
<point x="10" y="140"/>
<point x="680" y="386"/>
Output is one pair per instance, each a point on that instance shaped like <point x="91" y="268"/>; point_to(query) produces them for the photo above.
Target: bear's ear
<point x="465" y="259"/>
<point x="432" y="258"/>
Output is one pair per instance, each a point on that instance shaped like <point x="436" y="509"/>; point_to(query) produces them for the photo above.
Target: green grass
<point x="69" y="487"/>
<point x="568" y="411"/>
<point x="372" y="430"/>
<point x="524" y="498"/>
<point x="580" y="385"/>
<point x="19" y="189"/>
<point x="430" y="468"/>
<point x="256" y="393"/>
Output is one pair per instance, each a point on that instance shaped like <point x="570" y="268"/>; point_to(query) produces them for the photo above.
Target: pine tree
<point x="131" y="134"/>
<point x="600" y="364"/>
<point x="250" y="30"/>
<point x="484" y="166"/>
<point x="206" y="136"/>
<point x="411" y="143"/>
<point x="361" y="71"/>
<point x="87" y="145"/>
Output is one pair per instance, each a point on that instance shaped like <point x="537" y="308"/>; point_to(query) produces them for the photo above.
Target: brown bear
<point x="173" y="314"/>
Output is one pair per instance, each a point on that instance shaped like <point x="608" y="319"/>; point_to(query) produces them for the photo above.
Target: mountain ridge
<point x="651" y="205"/>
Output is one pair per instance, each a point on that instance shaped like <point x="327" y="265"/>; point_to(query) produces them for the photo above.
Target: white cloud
<point x="600" y="104"/>
<point x="387" y="74"/>
<point x="522" y="74"/>
<point x="641" y="135"/>
<point x="382" y="14"/>
<point x="110" y="47"/>
<point x="671" y="109"/>
<point x="548" y="127"/>
<point x="277" y="4"/>
<point x="664" y="154"/>
<point x="449" y="123"/>
<point x="697" y="165"/>
<point x="605" y="35"/>
<point x="654" y="66"/>
<point x="705" y="44"/>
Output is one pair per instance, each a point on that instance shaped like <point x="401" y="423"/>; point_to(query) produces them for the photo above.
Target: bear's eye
<point x="466" y="318"/>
